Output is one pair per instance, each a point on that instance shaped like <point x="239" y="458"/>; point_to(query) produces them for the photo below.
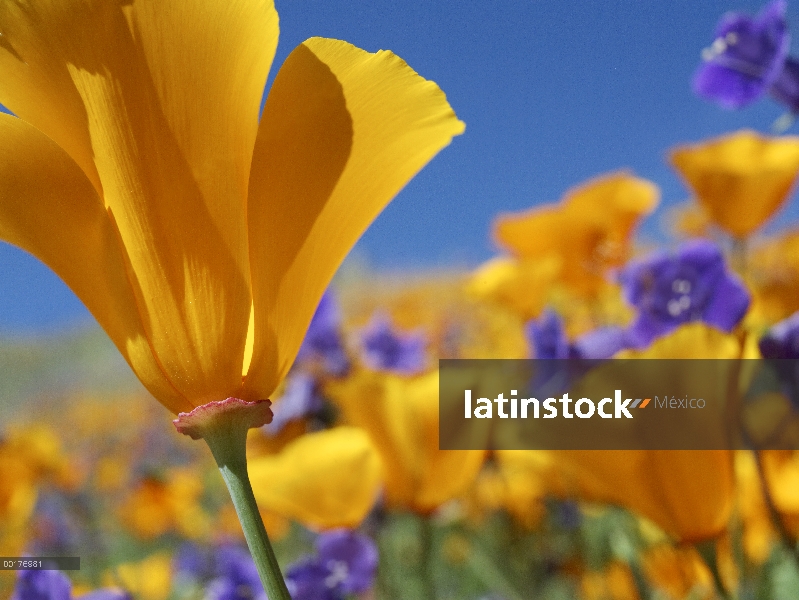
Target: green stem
<point x="427" y="557"/>
<point x="707" y="550"/>
<point x="739" y="255"/>
<point x="487" y="572"/>
<point x="228" y="446"/>
<point x="773" y="512"/>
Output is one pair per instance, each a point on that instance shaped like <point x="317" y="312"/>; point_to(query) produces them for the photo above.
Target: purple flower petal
<point x="600" y="343"/>
<point x="300" y="399"/>
<point x="691" y="285"/>
<point x="237" y="576"/>
<point x="728" y="305"/>
<point x="42" y="585"/>
<point x="782" y="340"/>
<point x="386" y="350"/>
<point x="323" y="341"/>
<point x="192" y="562"/>
<point x="780" y="347"/>
<point x="309" y="580"/>
<point x="746" y="57"/>
<point x="547" y="337"/>
<point x="350" y="558"/>
<point x="785" y="89"/>
<point x="106" y="594"/>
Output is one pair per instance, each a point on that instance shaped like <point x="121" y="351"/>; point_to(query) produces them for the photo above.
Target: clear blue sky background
<point x="552" y="93"/>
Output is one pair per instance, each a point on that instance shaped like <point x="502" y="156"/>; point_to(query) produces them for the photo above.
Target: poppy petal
<point x="49" y="208"/>
<point x="342" y="132"/>
<point x="163" y="98"/>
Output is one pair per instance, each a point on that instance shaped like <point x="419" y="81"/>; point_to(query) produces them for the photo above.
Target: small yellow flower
<point x="200" y="239"/>
<point x="323" y="480"/>
<point x="774" y="279"/>
<point x="759" y="534"/>
<point x="615" y="582"/>
<point x="679" y="572"/>
<point x="149" y="579"/>
<point x="781" y="469"/>
<point x="690" y="220"/>
<point x="172" y="503"/>
<point x="589" y="230"/>
<point x="688" y="494"/>
<point x="740" y="179"/>
<point x="521" y="285"/>
<point x="401" y="417"/>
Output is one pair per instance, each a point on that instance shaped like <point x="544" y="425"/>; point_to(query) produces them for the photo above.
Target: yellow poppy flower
<point x="521" y="285"/>
<point x="161" y="505"/>
<point x="690" y="220"/>
<point x="324" y="480"/>
<point x="589" y="230"/>
<point x="774" y="279"/>
<point x="401" y="417"/>
<point x="740" y="179"/>
<point x="678" y="572"/>
<point x="149" y="579"/>
<point x="759" y="534"/>
<point x="615" y="582"/>
<point x="514" y="482"/>
<point x="781" y="470"/>
<point x="689" y="494"/>
<point x="200" y="239"/>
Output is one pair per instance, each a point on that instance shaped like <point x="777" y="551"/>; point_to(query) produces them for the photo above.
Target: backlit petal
<point x="163" y="97"/>
<point x="49" y="208"/>
<point x="342" y="132"/>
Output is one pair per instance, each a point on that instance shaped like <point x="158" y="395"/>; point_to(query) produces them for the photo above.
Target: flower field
<point x="205" y="233"/>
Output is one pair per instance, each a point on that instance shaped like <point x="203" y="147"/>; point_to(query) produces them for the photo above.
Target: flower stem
<point x="426" y="568"/>
<point x="708" y="551"/>
<point x="739" y="255"/>
<point x="224" y="425"/>
<point x="232" y="463"/>
<point x="773" y="512"/>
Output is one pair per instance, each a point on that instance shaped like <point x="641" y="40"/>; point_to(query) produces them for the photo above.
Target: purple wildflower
<point x="106" y="594"/>
<point x="786" y="89"/>
<point x="237" y="576"/>
<point x="193" y="563"/>
<point x="780" y="348"/>
<point x="54" y="585"/>
<point x="547" y="337"/>
<point x="549" y="341"/>
<point x="323" y="343"/>
<point x="42" y="585"/>
<point x="559" y="363"/>
<point x="746" y="59"/>
<point x="600" y="343"/>
<point x="691" y="285"/>
<point x="782" y="340"/>
<point x="386" y="350"/>
<point x="307" y="580"/>
<point x="300" y="399"/>
<point x="351" y="558"/>
<point x="346" y="563"/>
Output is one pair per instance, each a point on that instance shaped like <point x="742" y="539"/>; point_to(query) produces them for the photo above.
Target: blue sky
<point x="552" y="93"/>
